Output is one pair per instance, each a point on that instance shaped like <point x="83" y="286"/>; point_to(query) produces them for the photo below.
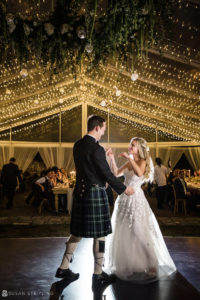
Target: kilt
<point x="90" y="216"/>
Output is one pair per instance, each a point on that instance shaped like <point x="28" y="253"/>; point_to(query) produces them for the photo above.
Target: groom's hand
<point x="129" y="191"/>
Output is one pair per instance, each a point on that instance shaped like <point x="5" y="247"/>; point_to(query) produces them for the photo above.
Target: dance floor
<point x="28" y="267"/>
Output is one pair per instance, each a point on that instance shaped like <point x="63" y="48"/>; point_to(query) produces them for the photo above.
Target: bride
<point x="136" y="250"/>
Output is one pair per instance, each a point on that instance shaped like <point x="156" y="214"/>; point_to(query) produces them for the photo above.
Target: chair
<point x="177" y="201"/>
<point x="42" y="206"/>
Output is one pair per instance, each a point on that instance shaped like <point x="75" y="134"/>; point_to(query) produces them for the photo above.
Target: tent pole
<point x="108" y="127"/>
<point x="60" y="127"/>
<point x="84" y="118"/>
<point x="10" y="148"/>
<point x="156" y="142"/>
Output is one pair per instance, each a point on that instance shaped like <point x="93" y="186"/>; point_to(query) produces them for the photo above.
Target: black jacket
<point x="92" y="167"/>
<point x="180" y="192"/>
<point x="9" y="175"/>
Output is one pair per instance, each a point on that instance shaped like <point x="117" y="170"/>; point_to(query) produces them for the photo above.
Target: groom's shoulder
<point x="85" y="141"/>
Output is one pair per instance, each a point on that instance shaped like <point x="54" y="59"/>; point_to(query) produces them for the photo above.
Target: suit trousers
<point x="161" y="196"/>
<point x="9" y="192"/>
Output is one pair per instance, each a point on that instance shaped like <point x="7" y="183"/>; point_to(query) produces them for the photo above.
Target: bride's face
<point x="133" y="148"/>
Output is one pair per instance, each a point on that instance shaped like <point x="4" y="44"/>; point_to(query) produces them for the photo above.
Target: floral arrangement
<point x="78" y="31"/>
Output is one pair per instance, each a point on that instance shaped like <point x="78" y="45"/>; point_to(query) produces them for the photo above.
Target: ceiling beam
<point x="175" y="58"/>
<point x="40" y="91"/>
<point x="43" y="115"/>
<point x="146" y="100"/>
<point x="139" y="121"/>
<point x="146" y="114"/>
<point x="156" y="83"/>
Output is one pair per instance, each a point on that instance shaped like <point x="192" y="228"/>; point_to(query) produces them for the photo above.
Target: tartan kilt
<point x="90" y="216"/>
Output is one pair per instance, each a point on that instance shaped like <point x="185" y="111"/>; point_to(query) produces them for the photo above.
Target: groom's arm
<point x="103" y="167"/>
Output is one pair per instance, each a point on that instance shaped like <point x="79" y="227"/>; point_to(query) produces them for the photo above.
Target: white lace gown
<point x="136" y="250"/>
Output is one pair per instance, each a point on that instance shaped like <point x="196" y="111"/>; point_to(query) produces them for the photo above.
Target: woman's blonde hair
<point x="143" y="150"/>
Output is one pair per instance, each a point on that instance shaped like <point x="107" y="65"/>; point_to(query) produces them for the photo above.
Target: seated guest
<point x="64" y="175"/>
<point x="173" y="176"/>
<point x="62" y="198"/>
<point x="43" y="189"/>
<point x="182" y="191"/>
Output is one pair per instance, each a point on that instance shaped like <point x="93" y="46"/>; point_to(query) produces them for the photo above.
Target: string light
<point x="164" y="95"/>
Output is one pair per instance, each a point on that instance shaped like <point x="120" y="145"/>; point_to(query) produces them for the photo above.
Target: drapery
<point x="24" y="156"/>
<point x="62" y="156"/>
<point x="170" y="152"/>
<point x="57" y="156"/>
<point x="6" y="152"/>
<point x="193" y="156"/>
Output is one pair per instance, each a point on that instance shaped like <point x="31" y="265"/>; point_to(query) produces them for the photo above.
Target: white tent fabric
<point x="62" y="155"/>
<point x="24" y="157"/>
<point x="57" y="156"/>
<point x="193" y="156"/>
<point x="5" y="153"/>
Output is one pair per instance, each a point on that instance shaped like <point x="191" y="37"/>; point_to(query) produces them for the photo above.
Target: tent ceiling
<point x="165" y="97"/>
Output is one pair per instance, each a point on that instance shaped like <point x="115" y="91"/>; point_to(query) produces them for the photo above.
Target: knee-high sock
<point x="98" y="252"/>
<point x="71" y="245"/>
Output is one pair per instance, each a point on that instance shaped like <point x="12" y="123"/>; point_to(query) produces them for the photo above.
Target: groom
<point x="90" y="216"/>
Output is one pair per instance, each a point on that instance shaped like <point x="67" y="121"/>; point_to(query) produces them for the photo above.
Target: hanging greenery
<point x="84" y="30"/>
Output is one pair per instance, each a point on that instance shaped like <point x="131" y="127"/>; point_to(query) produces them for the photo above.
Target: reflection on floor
<point x="28" y="267"/>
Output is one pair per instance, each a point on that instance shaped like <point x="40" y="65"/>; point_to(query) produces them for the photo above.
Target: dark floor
<point x="28" y="267"/>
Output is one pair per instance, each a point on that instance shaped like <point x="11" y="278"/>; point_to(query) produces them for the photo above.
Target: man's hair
<point x="12" y="159"/>
<point x="158" y="161"/>
<point x="94" y="121"/>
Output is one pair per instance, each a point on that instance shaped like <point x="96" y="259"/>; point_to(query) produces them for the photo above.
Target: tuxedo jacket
<point x="9" y="175"/>
<point x="92" y="167"/>
<point x="180" y="192"/>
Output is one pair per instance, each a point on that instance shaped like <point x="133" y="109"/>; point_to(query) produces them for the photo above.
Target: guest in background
<point x="181" y="186"/>
<point x="64" y="175"/>
<point x="181" y="189"/>
<point x="43" y="189"/>
<point x="9" y="175"/>
<point x="160" y="178"/>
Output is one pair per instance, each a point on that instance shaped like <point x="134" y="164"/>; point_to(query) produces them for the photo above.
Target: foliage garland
<point x="84" y="30"/>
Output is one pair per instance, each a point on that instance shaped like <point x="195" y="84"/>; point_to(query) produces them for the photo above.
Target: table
<point x="63" y="190"/>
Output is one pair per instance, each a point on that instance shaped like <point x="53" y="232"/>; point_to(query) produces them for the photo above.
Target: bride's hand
<point x="109" y="152"/>
<point x="124" y="154"/>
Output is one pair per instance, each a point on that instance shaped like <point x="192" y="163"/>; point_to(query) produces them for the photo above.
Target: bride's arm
<point x="116" y="171"/>
<point x="138" y="166"/>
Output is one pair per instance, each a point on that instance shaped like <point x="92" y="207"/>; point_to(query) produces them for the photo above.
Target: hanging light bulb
<point x="61" y="101"/>
<point x="89" y="48"/>
<point x="118" y="93"/>
<point x="8" y="92"/>
<point x="62" y="90"/>
<point x="24" y="72"/>
<point x="103" y="103"/>
<point x="134" y="76"/>
<point x="81" y="32"/>
<point x="36" y="101"/>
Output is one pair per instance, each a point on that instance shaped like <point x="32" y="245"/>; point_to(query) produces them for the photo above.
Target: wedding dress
<point x="136" y="250"/>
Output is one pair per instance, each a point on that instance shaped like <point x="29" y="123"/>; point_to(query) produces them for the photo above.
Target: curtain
<point x="6" y="152"/>
<point x="193" y="156"/>
<point x="57" y="156"/>
<point x="24" y="156"/>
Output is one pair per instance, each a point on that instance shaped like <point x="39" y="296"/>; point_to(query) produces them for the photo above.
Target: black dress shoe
<point x="67" y="274"/>
<point x="101" y="281"/>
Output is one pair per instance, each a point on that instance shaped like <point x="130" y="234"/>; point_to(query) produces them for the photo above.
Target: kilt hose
<point x="90" y="216"/>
